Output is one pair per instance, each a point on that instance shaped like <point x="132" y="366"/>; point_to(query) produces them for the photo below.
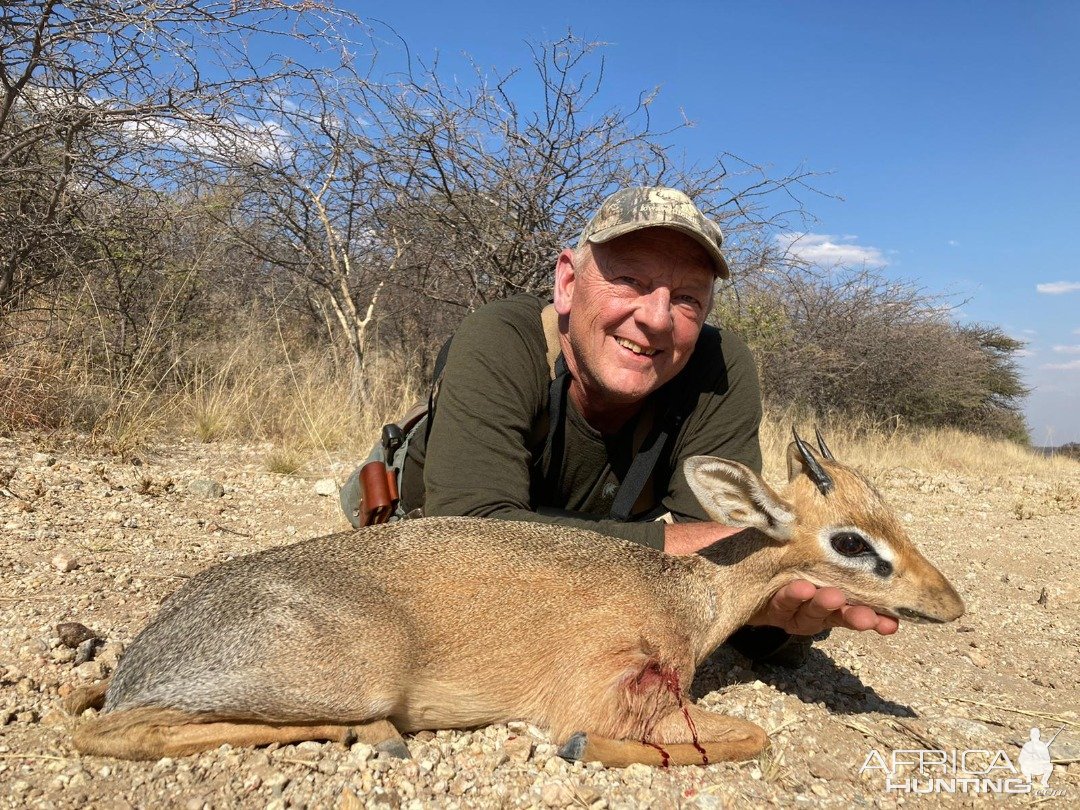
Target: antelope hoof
<point x="573" y="749"/>
<point x="395" y="748"/>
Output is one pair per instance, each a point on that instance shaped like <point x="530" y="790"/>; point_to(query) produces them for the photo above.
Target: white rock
<point x="64" y="562"/>
<point x="557" y="794"/>
<point x="326" y="487"/>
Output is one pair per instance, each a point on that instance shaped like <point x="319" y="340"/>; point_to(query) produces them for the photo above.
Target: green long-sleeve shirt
<point x="486" y="458"/>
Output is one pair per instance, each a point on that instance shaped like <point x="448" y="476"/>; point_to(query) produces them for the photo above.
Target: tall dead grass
<point x="257" y="386"/>
<point x="306" y="403"/>
<point x="878" y="448"/>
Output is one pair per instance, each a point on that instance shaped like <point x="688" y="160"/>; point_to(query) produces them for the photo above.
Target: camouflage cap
<point x="632" y="209"/>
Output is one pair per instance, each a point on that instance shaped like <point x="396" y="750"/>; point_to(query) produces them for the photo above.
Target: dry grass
<point x="306" y="402"/>
<point x="878" y="449"/>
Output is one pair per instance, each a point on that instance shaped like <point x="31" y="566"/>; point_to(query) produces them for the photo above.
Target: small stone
<point x="326" y="487"/>
<point x="518" y="749"/>
<point x="63" y="655"/>
<point x="91" y="671"/>
<point x="348" y="801"/>
<point x="112" y="516"/>
<point x="977" y="659"/>
<point x="461" y="785"/>
<point x="557" y="794"/>
<point x="54" y="718"/>
<point x="819" y="790"/>
<point x="109" y="655"/>
<point x="277" y="782"/>
<point x="827" y="767"/>
<point x="44" y="459"/>
<point x="1044" y="598"/>
<point x="86" y="651"/>
<point x="361" y="752"/>
<point x="383" y="797"/>
<point x="72" y="634"/>
<point x="64" y="562"/>
<point x="638" y="770"/>
<point x="971" y="729"/>
<point x="588" y="795"/>
<point x="205" y="488"/>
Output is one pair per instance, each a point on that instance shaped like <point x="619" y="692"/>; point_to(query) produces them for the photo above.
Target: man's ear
<point x="565" y="276"/>
<point x="733" y="494"/>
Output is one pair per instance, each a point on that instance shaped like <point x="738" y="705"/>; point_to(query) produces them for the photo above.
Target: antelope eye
<point x="850" y="544"/>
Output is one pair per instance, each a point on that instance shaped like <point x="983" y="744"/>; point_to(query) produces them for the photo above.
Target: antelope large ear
<point x="796" y="465"/>
<point x="733" y="494"/>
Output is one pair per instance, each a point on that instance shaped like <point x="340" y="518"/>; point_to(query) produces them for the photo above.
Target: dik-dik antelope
<point x="463" y="622"/>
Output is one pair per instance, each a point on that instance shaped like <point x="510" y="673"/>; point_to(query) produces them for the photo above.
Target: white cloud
<point x="825" y="250"/>
<point x="953" y="243"/>
<point x="1058" y="287"/>
<point x="1023" y="353"/>
<point x="1072" y="365"/>
<point x="238" y="139"/>
<point x="1067" y="349"/>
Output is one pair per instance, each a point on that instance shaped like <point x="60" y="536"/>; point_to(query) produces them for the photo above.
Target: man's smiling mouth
<point x="635" y="348"/>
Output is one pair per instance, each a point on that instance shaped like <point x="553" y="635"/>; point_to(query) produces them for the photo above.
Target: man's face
<point x="636" y="305"/>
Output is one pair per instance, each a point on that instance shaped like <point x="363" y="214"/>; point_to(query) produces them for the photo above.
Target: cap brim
<point x="615" y="231"/>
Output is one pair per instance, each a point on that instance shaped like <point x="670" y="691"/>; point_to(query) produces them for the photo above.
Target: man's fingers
<point x="860" y="617"/>
<point x="793" y="596"/>
<point x="887" y="625"/>
<point x="824" y="603"/>
<point x="857" y="617"/>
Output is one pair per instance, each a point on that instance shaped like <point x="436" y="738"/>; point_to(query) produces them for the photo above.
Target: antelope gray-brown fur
<point x="462" y="622"/>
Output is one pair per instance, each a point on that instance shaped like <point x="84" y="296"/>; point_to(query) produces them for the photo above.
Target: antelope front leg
<point x="686" y="736"/>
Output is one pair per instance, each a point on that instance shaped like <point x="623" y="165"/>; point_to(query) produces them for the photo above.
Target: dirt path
<point x="130" y="533"/>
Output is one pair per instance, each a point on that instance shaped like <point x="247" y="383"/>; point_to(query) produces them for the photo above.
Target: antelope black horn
<point x="825" y="453"/>
<point x="813" y="469"/>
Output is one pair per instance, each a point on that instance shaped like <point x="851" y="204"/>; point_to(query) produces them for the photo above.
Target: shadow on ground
<point x="820" y="680"/>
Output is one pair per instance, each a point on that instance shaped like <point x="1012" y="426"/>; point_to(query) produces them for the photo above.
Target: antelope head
<point x="832" y="527"/>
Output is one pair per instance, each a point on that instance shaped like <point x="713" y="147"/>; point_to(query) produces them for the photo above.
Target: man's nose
<point x="654" y="310"/>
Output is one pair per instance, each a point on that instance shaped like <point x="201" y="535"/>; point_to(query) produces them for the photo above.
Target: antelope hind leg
<point x="152" y="733"/>
<point x="719" y="738"/>
<point x="86" y="697"/>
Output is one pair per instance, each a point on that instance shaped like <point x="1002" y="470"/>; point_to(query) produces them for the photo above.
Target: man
<point x="639" y="371"/>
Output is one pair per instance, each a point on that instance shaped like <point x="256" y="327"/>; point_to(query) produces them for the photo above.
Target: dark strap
<point x="553" y="447"/>
<point x="641" y="468"/>
<point x="433" y="392"/>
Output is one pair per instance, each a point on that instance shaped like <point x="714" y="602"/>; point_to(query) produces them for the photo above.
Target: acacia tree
<point x="852" y="341"/>
<point x="404" y="202"/>
<point x="98" y="97"/>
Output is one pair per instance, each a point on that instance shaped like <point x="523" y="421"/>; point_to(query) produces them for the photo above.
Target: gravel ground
<point x="99" y="540"/>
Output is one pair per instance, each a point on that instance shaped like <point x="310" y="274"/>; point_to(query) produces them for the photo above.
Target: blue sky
<point x="950" y="129"/>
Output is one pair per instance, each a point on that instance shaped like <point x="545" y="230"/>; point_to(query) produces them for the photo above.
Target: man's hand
<point x="803" y="610"/>
<point x="681" y="539"/>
